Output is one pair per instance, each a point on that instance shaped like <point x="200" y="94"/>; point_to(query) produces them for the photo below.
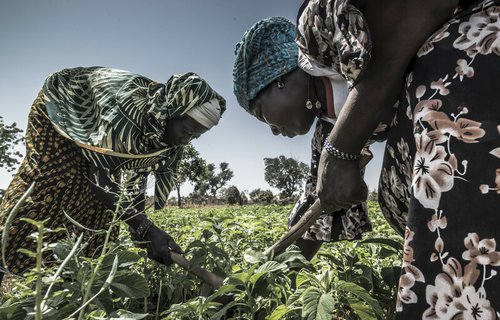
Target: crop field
<point x="346" y="280"/>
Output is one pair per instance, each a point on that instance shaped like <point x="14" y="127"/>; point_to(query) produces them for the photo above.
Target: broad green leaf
<point x="225" y="289"/>
<point x="362" y="294"/>
<point x="326" y="307"/>
<point x="271" y="266"/>
<point x="331" y="257"/>
<point x="310" y="300"/>
<point x="256" y="276"/>
<point x="280" y="312"/>
<point x="222" y="312"/>
<point x="388" y="242"/>
<point x="105" y="301"/>
<point x="239" y="278"/>
<point x="130" y="285"/>
<point x="254" y="257"/>
<point x="125" y="258"/>
<point x="14" y="311"/>
<point x="307" y="278"/>
<point x="293" y="259"/>
<point x="364" y="311"/>
<point x="385" y="253"/>
<point x="294" y="297"/>
<point x="127" y="315"/>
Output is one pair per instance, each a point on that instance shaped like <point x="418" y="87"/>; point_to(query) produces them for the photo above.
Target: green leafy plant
<point x="346" y="280"/>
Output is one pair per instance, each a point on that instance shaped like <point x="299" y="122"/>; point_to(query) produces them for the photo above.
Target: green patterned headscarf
<point x="266" y="52"/>
<point x="119" y="118"/>
<point x="119" y="110"/>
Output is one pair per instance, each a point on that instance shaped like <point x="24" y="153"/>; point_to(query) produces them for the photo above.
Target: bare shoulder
<point x="399" y="27"/>
<point x="410" y="13"/>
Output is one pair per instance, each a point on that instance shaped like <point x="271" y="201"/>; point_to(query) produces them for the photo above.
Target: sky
<point x="154" y="38"/>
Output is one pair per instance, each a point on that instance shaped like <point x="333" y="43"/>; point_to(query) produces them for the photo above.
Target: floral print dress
<point x="441" y="171"/>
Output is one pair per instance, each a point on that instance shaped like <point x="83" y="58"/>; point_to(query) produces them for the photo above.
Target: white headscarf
<point x="207" y="114"/>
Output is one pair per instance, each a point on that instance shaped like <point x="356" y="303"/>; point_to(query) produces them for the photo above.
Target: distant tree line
<point x="210" y="180"/>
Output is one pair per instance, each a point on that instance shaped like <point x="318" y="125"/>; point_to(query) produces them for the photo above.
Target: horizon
<point x="155" y="39"/>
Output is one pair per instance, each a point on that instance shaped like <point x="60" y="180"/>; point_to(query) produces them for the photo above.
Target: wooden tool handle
<point x="211" y="278"/>
<point x="297" y="230"/>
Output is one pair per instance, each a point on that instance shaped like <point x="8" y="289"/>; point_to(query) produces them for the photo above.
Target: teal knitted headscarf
<point x="266" y="52"/>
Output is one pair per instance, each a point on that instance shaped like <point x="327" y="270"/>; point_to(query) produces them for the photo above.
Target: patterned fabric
<point x="59" y="171"/>
<point x="330" y="226"/>
<point x="334" y="34"/>
<point x="118" y="118"/>
<point x="441" y="172"/>
<point x="333" y="38"/>
<point x="266" y="52"/>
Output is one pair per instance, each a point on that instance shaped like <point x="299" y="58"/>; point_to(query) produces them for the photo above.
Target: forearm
<point x="134" y="215"/>
<point x="107" y="192"/>
<point x="397" y="31"/>
<point x="366" y="106"/>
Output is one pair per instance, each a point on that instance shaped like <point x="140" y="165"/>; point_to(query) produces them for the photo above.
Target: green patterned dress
<point x="106" y="118"/>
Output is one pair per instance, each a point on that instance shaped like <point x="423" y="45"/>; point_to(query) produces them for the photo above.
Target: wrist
<point x="339" y="154"/>
<point x="139" y="225"/>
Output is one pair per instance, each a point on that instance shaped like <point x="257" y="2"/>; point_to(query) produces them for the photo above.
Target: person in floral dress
<point x="441" y="171"/>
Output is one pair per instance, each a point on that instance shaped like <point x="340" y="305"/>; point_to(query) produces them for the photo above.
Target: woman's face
<point x="284" y="110"/>
<point x="180" y="131"/>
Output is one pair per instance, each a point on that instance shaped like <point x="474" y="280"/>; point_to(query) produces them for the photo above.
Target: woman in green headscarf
<point x="86" y="129"/>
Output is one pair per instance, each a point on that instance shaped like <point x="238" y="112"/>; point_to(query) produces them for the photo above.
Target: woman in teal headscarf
<point x="440" y="182"/>
<point x="86" y="129"/>
<point x="278" y="84"/>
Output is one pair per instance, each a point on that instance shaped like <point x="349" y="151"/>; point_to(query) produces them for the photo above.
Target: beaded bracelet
<point x="339" y="154"/>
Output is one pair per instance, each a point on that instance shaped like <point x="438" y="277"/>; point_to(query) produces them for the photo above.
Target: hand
<point x="159" y="244"/>
<point x="340" y="184"/>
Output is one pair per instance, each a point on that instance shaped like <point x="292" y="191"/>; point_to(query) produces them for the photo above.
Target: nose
<point x="275" y="130"/>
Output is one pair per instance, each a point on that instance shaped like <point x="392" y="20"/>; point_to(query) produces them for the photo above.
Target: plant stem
<point x="76" y="246"/>
<point x="38" y="297"/>
<point x="103" y="252"/>
<point x="159" y="299"/>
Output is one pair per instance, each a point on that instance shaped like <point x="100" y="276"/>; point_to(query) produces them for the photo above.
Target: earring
<point x="309" y="104"/>
<point x="280" y="83"/>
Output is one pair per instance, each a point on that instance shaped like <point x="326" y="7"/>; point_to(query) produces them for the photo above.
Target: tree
<point x="10" y="136"/>
<point x="233" y="195"/>
<point x="285" y="174"/>
<point x="212" y="181"/>
<point x="261" y="196"/>
<point x="373" y="195"/>
<point x="243" y="197"/>
<point x="191" y="168"/>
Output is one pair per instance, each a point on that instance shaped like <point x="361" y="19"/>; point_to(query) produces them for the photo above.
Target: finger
<point x="174" y="247"/>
